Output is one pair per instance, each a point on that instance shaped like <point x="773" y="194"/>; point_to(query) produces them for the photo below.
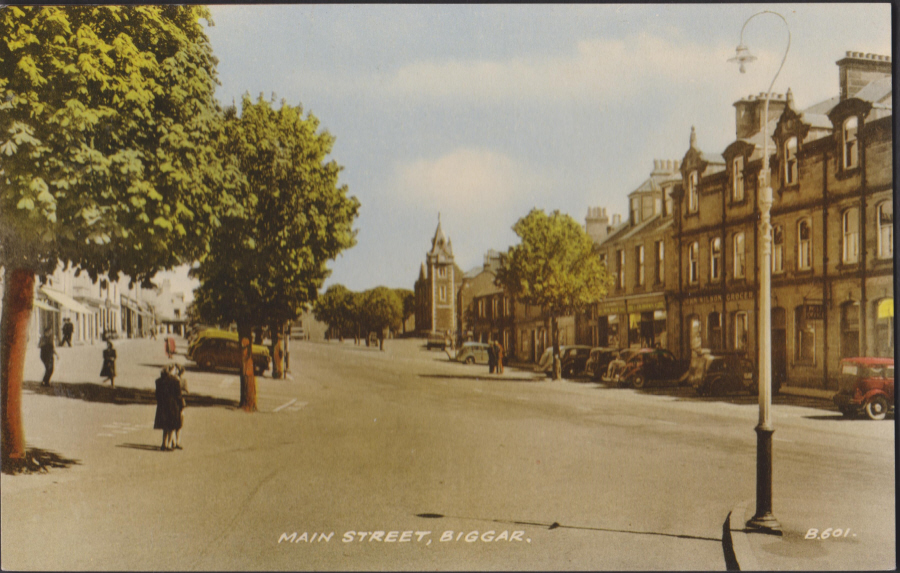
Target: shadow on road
<point x="37" y="460"/>
<point x="842" y="418"/>
<point x="485" y="376"/>
<point x="688" y="393"/>
<point x="145" y="447"/>
<point x="121" y="395"/>
<point x="556" y="525"/>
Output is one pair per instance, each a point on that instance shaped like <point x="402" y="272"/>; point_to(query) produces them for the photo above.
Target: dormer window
<point x="693" y="192"/>
<point x="737" y="179"/>
<point x="667" y="203"/>
<point x="851" y="145"/>
<point x="790" y="161"/>
<point x="804" y="245"/>
<point x="635" y="209"/>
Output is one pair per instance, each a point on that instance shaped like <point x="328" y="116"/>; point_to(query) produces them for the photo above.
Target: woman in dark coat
<point x="169" y="403"/>
<point x="109" y="364"/>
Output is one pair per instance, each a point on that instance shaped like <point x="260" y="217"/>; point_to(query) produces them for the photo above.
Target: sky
<point x="480" y="113"/>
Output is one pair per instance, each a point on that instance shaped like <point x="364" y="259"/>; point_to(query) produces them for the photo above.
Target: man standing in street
<point x="67" y="330"/>
<point x="498" y="352"/>
<point x="492" y="358"/>
<point x="48" y="351"/>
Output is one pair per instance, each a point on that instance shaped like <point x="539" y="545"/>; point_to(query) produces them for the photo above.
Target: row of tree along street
<point x="353" y="314"/>
<point x="118" y="160"/>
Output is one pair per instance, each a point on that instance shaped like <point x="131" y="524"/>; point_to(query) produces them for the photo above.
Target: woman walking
<point x="109" y="364"/>
<point x="169" y="404"/>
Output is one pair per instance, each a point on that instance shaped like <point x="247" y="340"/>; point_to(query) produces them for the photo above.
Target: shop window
<point x="737" y="179"/>
<point x="886" y="230"/>
<point x="777" y="249"/>
<point x="694" y="338"/>
<point x="660" y="256"/>
<point x="739" y="255"/>
<point x="804" y="244"/>
<point x="790" y="161"/>
<point x="884" y="327"/>
<point x="714" y="330"/>
<point x="620" y="269"/>
<point x="805" y="348"/>
<point x="693" y="262"/>
<point x="850" y="329"/>
<point x="612" y="332"/>
<point x="741" y="331"/>
<point x="851" y="145"/>
<point x="693" y="192"/>
<point x="715" y="258"/>
<point x="850" y="243"/>
<point x="639" y="264"/>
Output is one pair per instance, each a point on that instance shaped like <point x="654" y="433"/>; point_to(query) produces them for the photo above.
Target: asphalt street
<point x="365" y="460"/>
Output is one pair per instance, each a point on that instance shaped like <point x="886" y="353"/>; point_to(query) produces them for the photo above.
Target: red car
<point x="866" y="385"/>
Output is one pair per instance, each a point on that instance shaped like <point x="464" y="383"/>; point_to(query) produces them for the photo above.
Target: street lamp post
<point x="763" y="520"/>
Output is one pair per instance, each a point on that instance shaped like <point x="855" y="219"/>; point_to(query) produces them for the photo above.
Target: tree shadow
<point x="145" y="447"/>
<point x="120" y="395"/>
<point x="740" y="398"/>
<point x="485" y="376"/>
<point x="37" y="460"/>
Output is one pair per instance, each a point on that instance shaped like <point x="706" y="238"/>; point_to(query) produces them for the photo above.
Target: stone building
<point x="436" y="289"/>
<point x="832" y="260"/>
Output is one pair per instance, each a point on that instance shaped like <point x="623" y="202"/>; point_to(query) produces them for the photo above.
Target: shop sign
<point x="815" y="312"/>
<point x="647" y="306"/>
<point x="729" y="297"/>
<point x="614" y="307"/>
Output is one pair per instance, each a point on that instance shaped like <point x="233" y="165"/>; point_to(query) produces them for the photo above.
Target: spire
<point x="693" y="138"/>
<point x="422" y="272"/>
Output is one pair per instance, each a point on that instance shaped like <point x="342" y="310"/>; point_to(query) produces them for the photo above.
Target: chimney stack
<point x="596" y="224"/>
<point x="748" y="119"/>
<point x="858" y="70"/>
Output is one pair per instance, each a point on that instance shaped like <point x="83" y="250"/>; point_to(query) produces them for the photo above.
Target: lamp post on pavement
<point x="763" y="520"/>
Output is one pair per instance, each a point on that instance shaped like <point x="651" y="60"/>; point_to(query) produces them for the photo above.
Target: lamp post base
<point x="764" y="521"/>
<point x="764" y="524"/>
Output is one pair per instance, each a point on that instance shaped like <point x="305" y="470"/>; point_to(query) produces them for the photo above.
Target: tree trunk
<point x="277" y="351"/>
<point x="248" y="376"/>
<point x="286" y="336"/>
<point x="381" y="342"/>
<point x="18" y="299"/>
<point x="554" y="334"/>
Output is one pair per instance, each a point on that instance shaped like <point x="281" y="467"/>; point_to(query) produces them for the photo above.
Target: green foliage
<point x="554" y="266"/>
<point x="335" y="308"/>
<point x="273" y="258"/>
<point x="408" y="299"/>
<point x="381" y="308"/>
<point x="108" y="131"/>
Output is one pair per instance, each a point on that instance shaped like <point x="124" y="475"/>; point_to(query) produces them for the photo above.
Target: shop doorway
<point x="779" y="346"/>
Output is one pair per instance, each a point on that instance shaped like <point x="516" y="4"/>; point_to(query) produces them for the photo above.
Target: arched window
<point x="714" y="330"/>
<point x="741" y="330"/>
<point x="693" y="262"/>
<point x="850" y="329"/>
<point x="886" y="230"/>
<point x="715" y="258"/>
<point x="777" y="249"/>
<point x="790" y="161"/>
<point x="851" y="147"/>
<point x="693" y="192"/>
<point x="850" y="244"/>
<point x="805" y="336"/>
<point x="739" y="255"/>
<point x="737" y="179"/>
<point x="804" y="244"/>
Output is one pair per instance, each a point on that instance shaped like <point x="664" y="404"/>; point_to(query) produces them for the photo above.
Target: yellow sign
<point x="886" y="308"/>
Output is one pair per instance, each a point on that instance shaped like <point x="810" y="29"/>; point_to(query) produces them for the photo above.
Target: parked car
<point x="437" y="340"/>
<point x="624" y="355"/>
<point x="653" y="366"/>
<point x="221" y="349"/>
<point x="598" y="361"/>
<point x="721" y="372"/>
<point x="473" y="353"/>
<point x="297" y="333"/>
<point x="866" y="385"/>
<point x="572" y="359"/>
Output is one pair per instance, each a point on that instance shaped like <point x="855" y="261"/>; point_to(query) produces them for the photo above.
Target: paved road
<point x="565" y="475"/>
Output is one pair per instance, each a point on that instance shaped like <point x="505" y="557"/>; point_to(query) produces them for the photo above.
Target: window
<point x="667" y="204"/>
<point x="639" y="262"/>
<point x="443" y="293"/>
<point x="481" y="308"/>
<point x="506" y="306"/>
<point x="884" y="327"/>
<point x="442" y="272"/>
<point x="715" y="259"/>
<point x="620" y="270"/>
<point x="777" y="249"/>
<point x="693" y="262"/>
<point x="849" y="329"/>
<point x="737" y="179"/>
<point x="851" y="149"/>
<point x="693" y="192"/>
<point x="804" y="244"/>
<point x="646" y="207"/>
<point x="886" y="230"/>
<point x="741" y="331"/>
<point x="635" y="206"/>
<point x="494" y="306"/>
<point x="693" y="322"/>
<point x="714" y="331"/>
<point x="660" y="262"/>
<point x="806" y="336"/>
<point x="850" y="244"/>
<point x="790" y="161"/>
<point x="739" y="255"/>
<point x="603" y="259"/>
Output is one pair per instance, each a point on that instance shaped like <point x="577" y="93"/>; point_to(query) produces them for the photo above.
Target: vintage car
<point x="720" y="372"/>
<point x="473" y="353"/>
<point x="221" y="349"/>
<point x="652" y="366"/>
<point x="572" y="360"/>
<point x="598" y="361"/>
<point x="437" y="340"/>
<point x="866" y="384"/>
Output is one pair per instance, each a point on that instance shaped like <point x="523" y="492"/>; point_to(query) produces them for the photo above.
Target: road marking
<point x="227" y="381"/>
<point x="289" y="376"/>
<point x="667" y="422"/>
<point x="285" y="405"/>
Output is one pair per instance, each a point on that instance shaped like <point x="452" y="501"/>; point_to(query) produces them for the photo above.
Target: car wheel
<point x="638" y="381"/>
<point x="470" y="360"/>
<point x="877" y="408"/>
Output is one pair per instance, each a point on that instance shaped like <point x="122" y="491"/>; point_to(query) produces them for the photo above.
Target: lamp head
<point x="742" y="56"/>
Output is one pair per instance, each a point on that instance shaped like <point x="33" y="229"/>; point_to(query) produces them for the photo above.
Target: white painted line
<point x="106" y="435"/>
<point x="667" y="422"/>
<point x="285" y="405"/>
<point x="227" y="381"/>
<point x="289" y="376"/>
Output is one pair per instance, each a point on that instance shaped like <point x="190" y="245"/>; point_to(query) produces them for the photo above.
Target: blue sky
<point x="481" y="113"/>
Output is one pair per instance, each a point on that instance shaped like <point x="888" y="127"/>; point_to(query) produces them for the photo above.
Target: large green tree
<point x="382" y="309"/>
<point x="273" y="259"/>
<point x="555" y="267"/>
<point x="108" y="129"/>
<point x="408" y="299"/>
<point x="334" y="308"/>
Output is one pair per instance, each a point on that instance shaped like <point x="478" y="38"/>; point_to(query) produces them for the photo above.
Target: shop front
<point x="637" y="322"/>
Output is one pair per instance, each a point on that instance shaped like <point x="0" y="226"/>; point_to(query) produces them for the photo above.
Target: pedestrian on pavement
<point x="48" y="351"/>
<point x="108" y="371"/>
<point x="498" y="351"/>
<point x="169" y="406"/>
<point x="170" y="346"/>
<point x="492" y="358"/>
<point x="67" y="330"/>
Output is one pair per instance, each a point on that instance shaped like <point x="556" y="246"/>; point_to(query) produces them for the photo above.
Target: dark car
<point x="712" y="374"/>
<point x="598" y="361"/>
<point x="437" y="340"/>
<point x="220" y="349"/>
<point x="572" y="360"/>
<point x="652" y="366"/>
<point x="866" y="385"/>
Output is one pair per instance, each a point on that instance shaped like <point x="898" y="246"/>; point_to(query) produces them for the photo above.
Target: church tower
<point x="437" y="287"/>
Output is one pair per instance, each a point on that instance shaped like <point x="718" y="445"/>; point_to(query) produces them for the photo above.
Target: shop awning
<point x="65" y="300"/>
<point x="886" y="308"/>
<point x="44" y="306"/>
